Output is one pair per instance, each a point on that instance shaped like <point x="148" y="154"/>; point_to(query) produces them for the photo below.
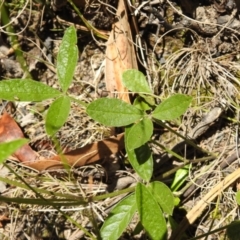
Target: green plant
<point x="152" y="200"/>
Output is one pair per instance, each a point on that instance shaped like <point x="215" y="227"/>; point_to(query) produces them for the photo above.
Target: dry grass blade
<point x="197" y="210"/>
<point x="60" y="188"/>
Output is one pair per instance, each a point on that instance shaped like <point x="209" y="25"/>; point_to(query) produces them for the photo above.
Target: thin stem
<point x="87" y="24"/>
<point x="14" y="41"/>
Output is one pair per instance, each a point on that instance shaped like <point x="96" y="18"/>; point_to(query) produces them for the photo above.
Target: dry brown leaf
<point x="90" y="153"/>
<point x="120" y="53"/>
<point x="9" y="131"/>
<point x="82" y="156"/>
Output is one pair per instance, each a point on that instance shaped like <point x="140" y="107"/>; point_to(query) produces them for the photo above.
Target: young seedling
<point x="153" y="201"/>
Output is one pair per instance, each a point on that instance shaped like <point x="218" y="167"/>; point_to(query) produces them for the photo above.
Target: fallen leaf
<point x="9" y="130"/>
<point x="120" y="54"/>
<point x="82" y="156"/>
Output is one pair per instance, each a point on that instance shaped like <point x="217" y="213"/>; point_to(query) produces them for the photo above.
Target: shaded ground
<point x="184" y="47"/>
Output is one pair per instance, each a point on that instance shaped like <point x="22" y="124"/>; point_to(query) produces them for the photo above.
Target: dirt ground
<point x="184" y="46"/>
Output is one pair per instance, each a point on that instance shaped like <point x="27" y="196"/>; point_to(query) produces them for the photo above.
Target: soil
<point x="184" y="46"/>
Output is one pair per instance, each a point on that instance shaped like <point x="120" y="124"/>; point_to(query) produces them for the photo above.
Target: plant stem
<point x="87" y="24"/>
<point x="187" y="140"/>
<point x="14" y="40"/>
<point x="78" y="101"/>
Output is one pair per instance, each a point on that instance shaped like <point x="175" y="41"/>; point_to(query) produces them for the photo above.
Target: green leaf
<point x="163" y="195"/>
<point x="119" y="218"/>
<point x="8" y="148"/>
<point x="140" y="159"/>
<point x="149" y="99"/>
<point x="26" y="90"/>
<point x="141" y="103"/>
<point x="57" y="115"/>
<point x="67" y="58"/>
<point x="150" y="214"/>
<point x="135" y="81"/>
<point x="113" y="112"/>
<point x="172" y="108"/>
<point x="139" y="133"/>
<point x="180" y="177"/>
<point x="238" y="197"/>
